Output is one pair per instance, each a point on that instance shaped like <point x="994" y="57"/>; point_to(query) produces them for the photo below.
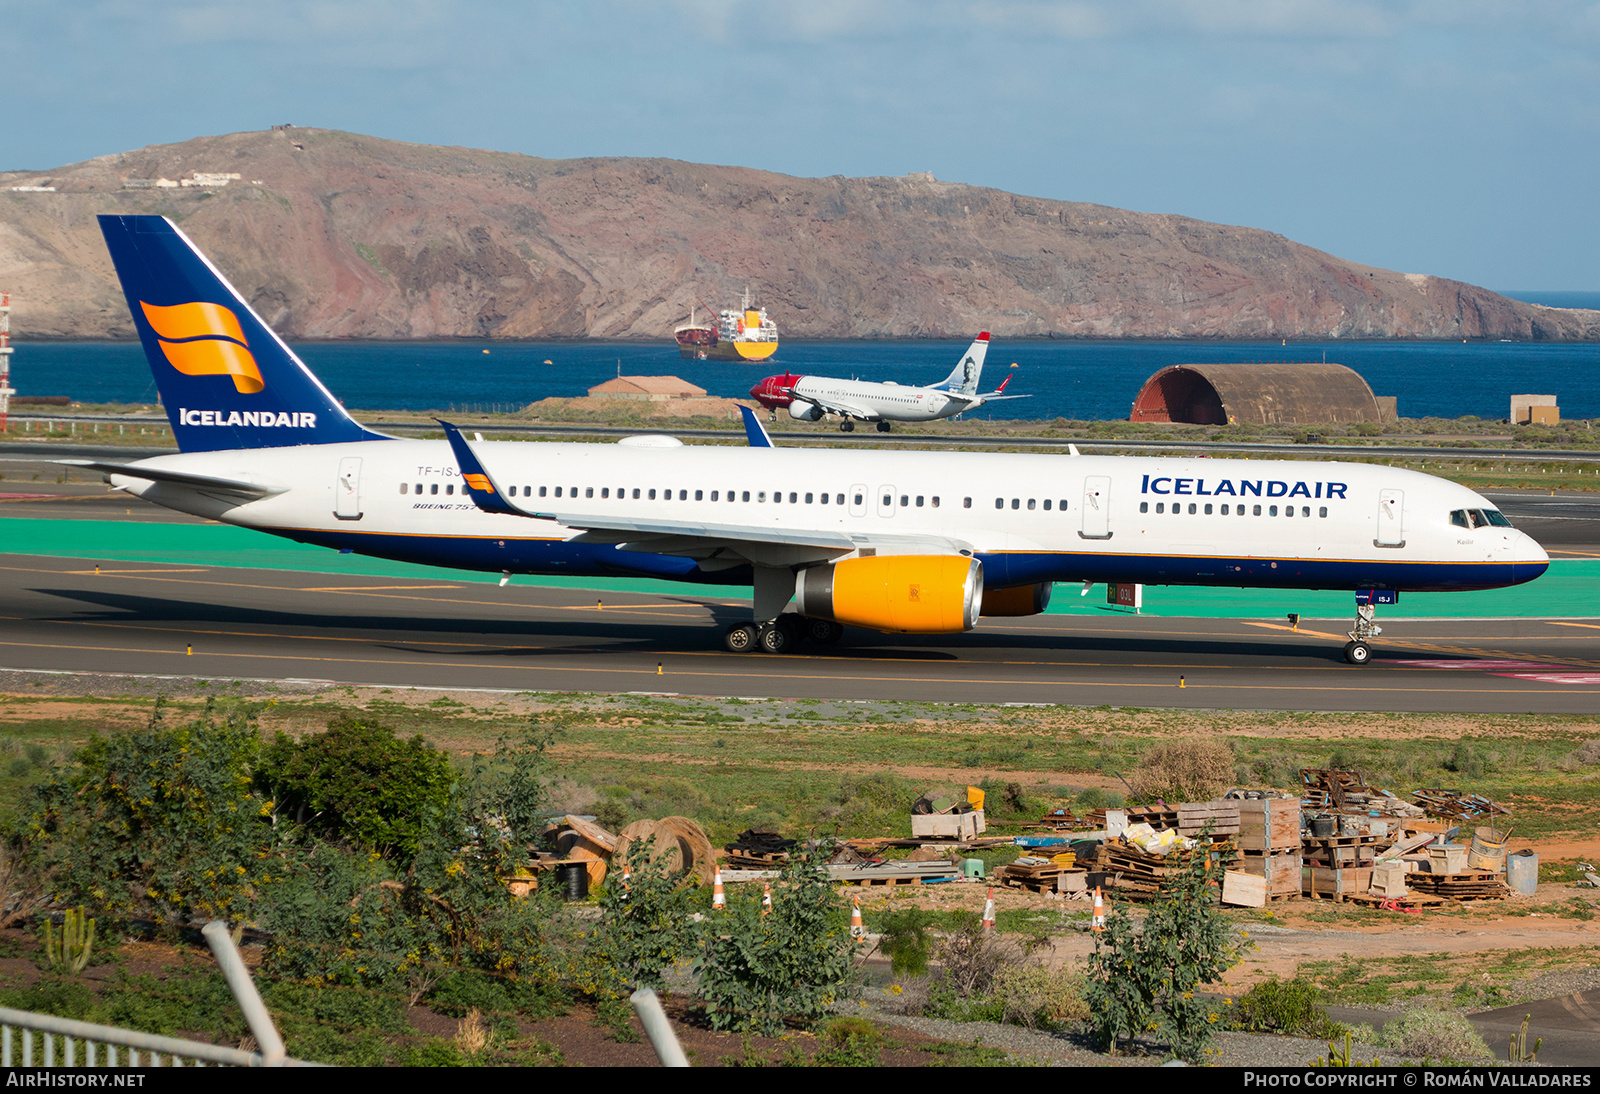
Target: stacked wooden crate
<point x="1269" y="844"/>
<point x="1337" y="867"/>
<point x="1216" y="819"/>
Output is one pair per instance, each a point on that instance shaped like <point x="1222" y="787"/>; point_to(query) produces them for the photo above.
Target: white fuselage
<point x="1029" y="518"/>
<point x="882" y="402"/>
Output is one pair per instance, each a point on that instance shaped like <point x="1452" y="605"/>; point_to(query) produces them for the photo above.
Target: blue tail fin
<point x="226" y="379"/>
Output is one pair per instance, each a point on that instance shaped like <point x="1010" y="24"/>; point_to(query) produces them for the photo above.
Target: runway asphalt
<point x="449" y="630"/>
<point x="58" y="614"/>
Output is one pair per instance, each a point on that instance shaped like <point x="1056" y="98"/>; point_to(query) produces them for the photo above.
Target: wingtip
<point x="983" y="336"/>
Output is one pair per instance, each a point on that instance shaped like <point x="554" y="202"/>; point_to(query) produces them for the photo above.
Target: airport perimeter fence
<point x="43" y="1040"/>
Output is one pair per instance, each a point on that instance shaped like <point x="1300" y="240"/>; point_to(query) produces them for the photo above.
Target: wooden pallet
<point x="874" y="882"/>
<point x="1410" y="900"/>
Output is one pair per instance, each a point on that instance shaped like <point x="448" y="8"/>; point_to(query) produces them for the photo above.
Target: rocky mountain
<point x="336" y="235"/>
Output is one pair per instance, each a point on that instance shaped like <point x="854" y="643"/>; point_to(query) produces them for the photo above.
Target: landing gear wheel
<point x="847" y="426"/>
<point x="740" y="638"/>
<point x="824" y="632"/>
<point x="774" y="638"/>
<point x="883" y="427"/>
<point x="1358" y="653"/>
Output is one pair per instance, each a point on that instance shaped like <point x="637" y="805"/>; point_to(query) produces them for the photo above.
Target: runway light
<point x="1181" y="683"/>
<point x="658" y="669"/>
<point x="188" y="650"/>
<point x="505" y="578"/>
<point x="1294" y="621"/>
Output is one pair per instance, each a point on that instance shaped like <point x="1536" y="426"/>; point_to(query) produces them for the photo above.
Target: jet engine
<point x="1017" y="600"/>
<point x="902" y="594"/>
<point x="803" y="411"/>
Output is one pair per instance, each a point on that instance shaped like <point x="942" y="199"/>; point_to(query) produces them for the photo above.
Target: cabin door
<point x="1096" y="508"/>
<point x="347" y="489"/>
<point x="1391" y="519"/>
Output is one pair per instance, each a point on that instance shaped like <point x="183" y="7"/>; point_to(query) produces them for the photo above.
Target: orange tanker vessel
<point x="738" y="334"/>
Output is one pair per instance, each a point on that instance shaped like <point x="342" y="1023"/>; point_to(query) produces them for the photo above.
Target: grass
<point x="854" y="768"/>
<point x="1476" y="981"/>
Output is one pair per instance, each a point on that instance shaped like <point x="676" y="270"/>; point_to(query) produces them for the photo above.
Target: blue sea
<point x="1084" y="380"/>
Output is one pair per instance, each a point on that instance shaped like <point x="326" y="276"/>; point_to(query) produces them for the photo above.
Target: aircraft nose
<point x="1528" y="551"/>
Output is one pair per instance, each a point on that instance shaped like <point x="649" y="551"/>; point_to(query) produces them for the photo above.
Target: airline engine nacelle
<point x="898" y="594"/>
<point x="800" y="410"/>
<point x="1020" y="600"/>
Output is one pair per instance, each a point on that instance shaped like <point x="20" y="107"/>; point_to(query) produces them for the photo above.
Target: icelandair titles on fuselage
<point x="1274" y="488"/>
<point x="297" y="420"/>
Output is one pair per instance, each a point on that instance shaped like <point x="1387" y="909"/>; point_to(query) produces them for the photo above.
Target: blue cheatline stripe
<point x="1570" y="588"/>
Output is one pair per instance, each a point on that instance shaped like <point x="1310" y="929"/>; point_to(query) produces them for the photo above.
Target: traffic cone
<point x="988" y="911"/>
<point x="719" y="899"/>
<point x="1097" y="923"/>
<point x="766" y="898"/>
<point x="858" y="930"/>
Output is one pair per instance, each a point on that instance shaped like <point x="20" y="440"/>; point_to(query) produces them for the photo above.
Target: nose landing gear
<point x="1359" y="649"/>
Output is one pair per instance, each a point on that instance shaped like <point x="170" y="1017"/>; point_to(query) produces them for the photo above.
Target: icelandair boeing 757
<point x="900" y="542"/>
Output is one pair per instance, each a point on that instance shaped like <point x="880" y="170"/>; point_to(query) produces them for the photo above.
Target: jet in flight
<point x="811" y="398"/>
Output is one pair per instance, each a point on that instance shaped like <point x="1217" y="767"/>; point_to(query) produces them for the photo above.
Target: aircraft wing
<point x="209" y="483"/>
<point x="843" y="409"/>
<point x="694" y="539"/>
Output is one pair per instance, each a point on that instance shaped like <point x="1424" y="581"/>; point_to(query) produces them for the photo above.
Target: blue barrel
<point x="1522" y="872"/>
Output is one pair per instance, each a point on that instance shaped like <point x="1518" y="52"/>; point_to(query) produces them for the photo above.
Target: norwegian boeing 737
<point x="900" y="542"/>
<point x="811" y="398"/>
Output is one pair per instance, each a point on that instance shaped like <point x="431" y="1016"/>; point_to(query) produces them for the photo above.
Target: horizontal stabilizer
<point x="208" y="483"/>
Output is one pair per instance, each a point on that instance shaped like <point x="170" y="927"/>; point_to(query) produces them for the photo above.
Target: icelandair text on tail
<point x="297" y="420"/>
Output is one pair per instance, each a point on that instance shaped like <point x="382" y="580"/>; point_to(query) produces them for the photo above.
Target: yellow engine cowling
<point x="902" y="594"/>
<point x="1018" y="600"/>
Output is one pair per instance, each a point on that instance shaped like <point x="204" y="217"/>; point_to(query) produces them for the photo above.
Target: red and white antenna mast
<point x="5" y="359"/>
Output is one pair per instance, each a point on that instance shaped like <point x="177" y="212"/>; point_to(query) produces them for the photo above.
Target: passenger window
<point x="1256" y="510"/>
<point x="449" y="488"/>
<point x="713" y="495"/>
<point x="636" y="493"/>
<point x="905" y="500"/>
<point x="588" y="491"/>
<point x="1191" y="508"/>
<point x="1030" y="503"/>
<point x="1063" y="505"/>
<point x="747" y="495"/>
<point x="1046" y="505"/>
<point x="839" y="500"/>
<point x="683" y="495"/>
<point x="1272" y="510"/>
<point x="777" y="497"/>
<point x="1322" y="511"/>
<point x="823" y="499"/>
<point x="808" y="499"/>
<point x="1016" y="503"/>
<point x="605" y="491"/>
<point x="1161" y="507"/>
<point x="761" y="495"/>
<point x="652" y="493"/>
<point x="699" y="495"/>
<point x="1288" y="510"/>
<point x="1305" y="510"/>
<point x="404" y="487"/>
<point x="433" y="488"/>
<point x="419" y="488"/>
<point x="966" y="503"/>
<point x="999" y="503"/>
<point x="859" y="500"/>
<point x="1208" y="508"/>
<point x="919" y="501"/>
<point x="936" y="501"/>
<point x="793" y="497"/>
<point x="1144" y="507"/>
<point x="1224" y="508"/>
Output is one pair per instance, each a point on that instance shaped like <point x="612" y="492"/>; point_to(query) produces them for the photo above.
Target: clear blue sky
<point x="1452" y="137"/>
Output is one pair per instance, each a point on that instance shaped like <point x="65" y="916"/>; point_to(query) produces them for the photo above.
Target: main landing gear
<point x="847" y="426"/>
<point x="782" y="635"/>
<point x="884" y="427"/>
<point x="1359" y="649"/>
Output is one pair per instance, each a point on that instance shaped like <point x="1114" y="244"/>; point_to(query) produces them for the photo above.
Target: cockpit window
<point x="1478" y="518"/>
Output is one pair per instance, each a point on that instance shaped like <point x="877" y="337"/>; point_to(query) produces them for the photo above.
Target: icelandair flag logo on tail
<point x="225" y="377"/>
<point x="203" y="339"/>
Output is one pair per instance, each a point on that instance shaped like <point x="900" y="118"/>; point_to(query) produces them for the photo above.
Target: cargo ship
<point x="737" y="334"/>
